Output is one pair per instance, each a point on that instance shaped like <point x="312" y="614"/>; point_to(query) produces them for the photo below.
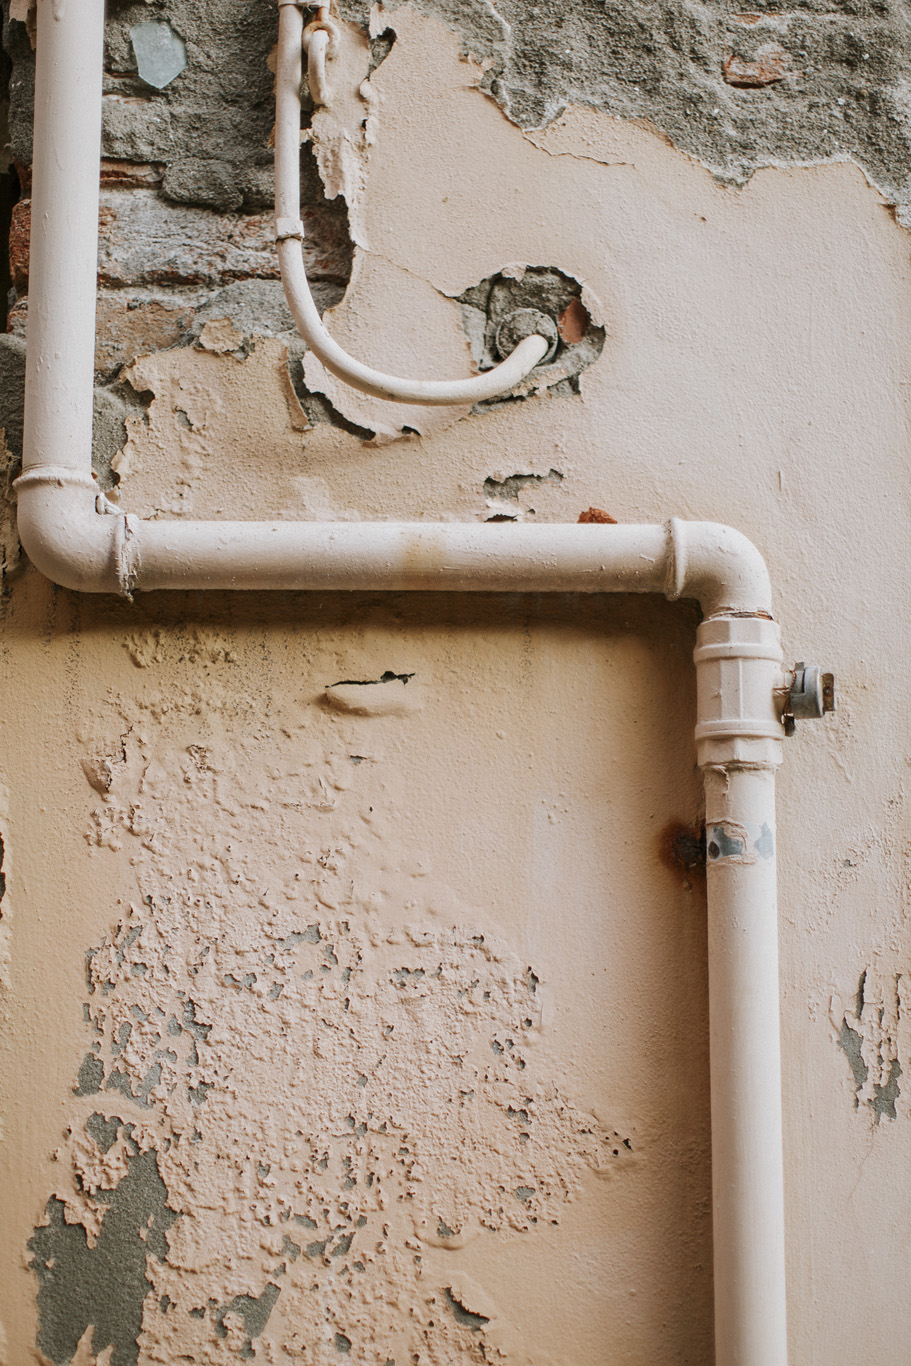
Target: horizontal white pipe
<point x="80" y="548"/>
<point x="294" y="276"/>
<point x="81" y="542"/>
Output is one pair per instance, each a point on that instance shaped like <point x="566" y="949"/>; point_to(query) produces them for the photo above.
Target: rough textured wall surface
<point x="352" y="950"/>
<point x="819" y="80"/>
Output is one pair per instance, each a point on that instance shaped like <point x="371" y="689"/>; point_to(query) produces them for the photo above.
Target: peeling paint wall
<point x="352" y="948"/>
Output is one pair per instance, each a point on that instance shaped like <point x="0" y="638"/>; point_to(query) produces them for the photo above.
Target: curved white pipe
<point x="290" y="236"/>
<point x="317" y="52"/>
<point x="107" y="551"/>
<point x="81" y="541"/>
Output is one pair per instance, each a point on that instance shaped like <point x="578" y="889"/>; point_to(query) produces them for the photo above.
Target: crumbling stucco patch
<point x="328" y="1062"/>
<point x="509" y="499"/>
<point x="873" y="1033"/>
<point x="825" y="80"/>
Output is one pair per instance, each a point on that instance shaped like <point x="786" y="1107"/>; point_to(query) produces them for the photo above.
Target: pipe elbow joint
<point x="65" y="536"/>
<point x="720" y="567"/>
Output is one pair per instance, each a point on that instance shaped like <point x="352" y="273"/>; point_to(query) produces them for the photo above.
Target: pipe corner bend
<point x="65" y="536"/>
<point x="720" y="567"/>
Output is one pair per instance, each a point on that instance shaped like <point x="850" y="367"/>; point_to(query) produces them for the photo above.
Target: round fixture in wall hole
<point x="526" y="322"/>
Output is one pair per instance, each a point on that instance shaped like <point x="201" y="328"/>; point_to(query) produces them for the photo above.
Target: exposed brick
<point x="147" y="241"/>
<point x="19" y="235"/>
<point x="130" y="175"/>
<point x="126" y="327"/>
<point x="771" y="63"/>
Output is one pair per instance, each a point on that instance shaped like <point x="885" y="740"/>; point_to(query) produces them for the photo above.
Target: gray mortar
<point x="847" y="97"/>
<point x="209" y="128"/>
<point x="208" y="134"/>
<point x="102" y="1287"/>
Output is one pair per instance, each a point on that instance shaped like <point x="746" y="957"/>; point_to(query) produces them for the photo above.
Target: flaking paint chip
<point x="161" y="54"/>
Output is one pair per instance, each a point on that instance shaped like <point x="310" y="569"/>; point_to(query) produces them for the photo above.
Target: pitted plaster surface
<point x="342" y="1068"/>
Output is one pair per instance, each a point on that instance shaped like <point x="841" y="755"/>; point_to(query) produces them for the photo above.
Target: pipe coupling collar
<point x="738" y="690"/>
<point x="57" y="476"/>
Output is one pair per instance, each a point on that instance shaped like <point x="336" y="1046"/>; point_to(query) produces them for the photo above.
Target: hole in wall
<point x="487" y="307"/>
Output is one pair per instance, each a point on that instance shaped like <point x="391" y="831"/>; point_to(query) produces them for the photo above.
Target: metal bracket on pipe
<point x="811" y="695"/>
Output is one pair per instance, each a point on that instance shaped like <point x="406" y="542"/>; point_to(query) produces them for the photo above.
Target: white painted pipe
<point x="317" y="42"/>
<point x="82" y="542"/>
<point x="738" y="736"/>
<point x="290" y="236"/>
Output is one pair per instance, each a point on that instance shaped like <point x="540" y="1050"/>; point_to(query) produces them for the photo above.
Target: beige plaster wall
<point x="433" y="983"/>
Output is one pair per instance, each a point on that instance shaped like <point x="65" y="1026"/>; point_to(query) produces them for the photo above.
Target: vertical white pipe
<point x="288" y="77"/>
<point x="747" y="1167"/>
<point x="739" y="735"/>
<point x="64" y="240"/>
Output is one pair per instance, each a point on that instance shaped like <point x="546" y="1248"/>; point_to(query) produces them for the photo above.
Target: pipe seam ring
<point x="675" y="580"/>
<point x="57" y="475"/>
<point x="744" y="728"/>
<point x="289" y="230"/>
<point x="738" y="649"/>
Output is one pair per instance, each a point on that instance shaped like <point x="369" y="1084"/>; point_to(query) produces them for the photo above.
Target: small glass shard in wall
<point x="161" y="54"/>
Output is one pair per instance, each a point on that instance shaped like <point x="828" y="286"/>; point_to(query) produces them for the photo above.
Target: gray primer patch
<point x="464" y="1316"/>
<point x="91" y="1076"/>
<point x="851" y="1042"/>
<point x="254" y="1312"/>
<point x="884" y="1097"/>
<point x="838" y="94"/>
<point x="722" y="844"/>
<point x="102" y="1287"/>
<point x="513" y="484"/>
<point x="104" y="1131"/>
<point x="765" y="844"/>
